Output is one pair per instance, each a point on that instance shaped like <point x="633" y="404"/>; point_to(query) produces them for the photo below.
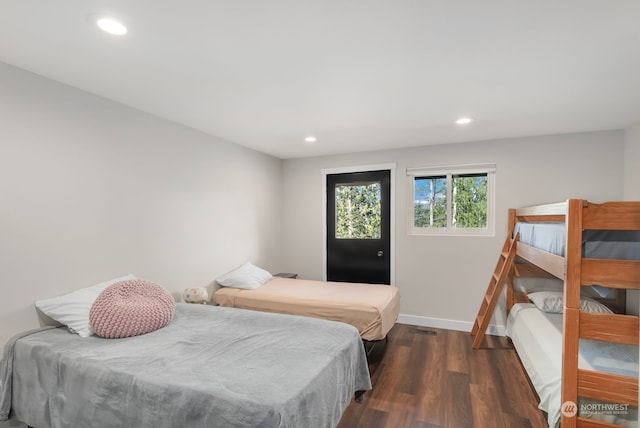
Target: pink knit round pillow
<point x="131" y="308"/>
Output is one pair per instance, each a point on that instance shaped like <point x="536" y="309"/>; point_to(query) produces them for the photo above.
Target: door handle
<point x="380" y="253"/>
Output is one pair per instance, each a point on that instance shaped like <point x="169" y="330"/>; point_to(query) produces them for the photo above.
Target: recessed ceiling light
<point x="310" y="139"/>
<point x="111" y="26"/>
<point x="464" y="121"/>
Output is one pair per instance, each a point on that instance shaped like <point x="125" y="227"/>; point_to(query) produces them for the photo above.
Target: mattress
<point x="372" y="309"/>
<point x="537" y="337"/>
<point x="597" y="244"/>
<point x="210" y="367"/>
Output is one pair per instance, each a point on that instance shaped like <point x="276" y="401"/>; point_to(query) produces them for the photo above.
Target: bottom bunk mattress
<point x="372" y="309"/>
<point x="210" y="367"/>
<point x="537" y="337"/>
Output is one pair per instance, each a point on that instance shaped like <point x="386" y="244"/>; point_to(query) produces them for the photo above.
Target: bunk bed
<point x="578" y="361"/>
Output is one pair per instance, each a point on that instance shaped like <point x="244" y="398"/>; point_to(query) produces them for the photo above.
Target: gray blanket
<point x="210" y="367"/>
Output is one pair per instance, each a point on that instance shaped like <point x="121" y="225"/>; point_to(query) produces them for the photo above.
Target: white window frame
<point x="449" y="171"/>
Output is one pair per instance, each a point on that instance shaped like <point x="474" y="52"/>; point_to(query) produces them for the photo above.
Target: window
<point x="358" y="211"/>
<point x="455" y="200"/>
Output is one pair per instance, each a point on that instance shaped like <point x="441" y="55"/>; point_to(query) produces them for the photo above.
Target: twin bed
<point x="372" y="309"/>
<point x="210" y="367"/>
<point x="582" y="355"/>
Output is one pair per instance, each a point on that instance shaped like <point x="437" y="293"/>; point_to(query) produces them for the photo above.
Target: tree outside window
<point x="455" y="200"/>
<point x="358" y="211"/>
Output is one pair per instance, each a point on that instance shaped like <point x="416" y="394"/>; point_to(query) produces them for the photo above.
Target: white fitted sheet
<point x="537" y="337"/>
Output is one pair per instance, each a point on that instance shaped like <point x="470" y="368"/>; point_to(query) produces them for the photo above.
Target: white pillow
<point x="602" y="291"/>
<point x="551" y="301"/>
<point x="246" y="276"/>
<point x="72" y="309"/>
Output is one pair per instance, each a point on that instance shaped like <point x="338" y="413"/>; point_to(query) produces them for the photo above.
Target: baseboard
<point x="494" y="330"/>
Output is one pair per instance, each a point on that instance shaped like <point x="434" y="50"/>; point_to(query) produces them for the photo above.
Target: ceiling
<point x="359" y="75"/>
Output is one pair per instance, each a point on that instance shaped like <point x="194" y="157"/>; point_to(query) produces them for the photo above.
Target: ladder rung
<point x="504" y="254"/>
<point x="487" y="298"/>
<point x="480" y="319"/>
<point x="496" y="276"/>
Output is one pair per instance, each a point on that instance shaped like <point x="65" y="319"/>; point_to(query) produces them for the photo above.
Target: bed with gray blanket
<point x="210" y="367"/>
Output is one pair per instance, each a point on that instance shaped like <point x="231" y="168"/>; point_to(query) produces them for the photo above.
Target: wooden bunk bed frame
<point x="576" y="271"/>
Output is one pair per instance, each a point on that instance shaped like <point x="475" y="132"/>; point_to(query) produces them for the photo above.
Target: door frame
<point x="391" y="167"/>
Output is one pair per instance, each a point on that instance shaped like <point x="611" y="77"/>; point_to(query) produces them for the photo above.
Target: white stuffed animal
<point x="195" y="295"/>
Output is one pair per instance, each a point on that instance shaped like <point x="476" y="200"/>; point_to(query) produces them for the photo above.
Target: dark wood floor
<point x="432" y="378"/>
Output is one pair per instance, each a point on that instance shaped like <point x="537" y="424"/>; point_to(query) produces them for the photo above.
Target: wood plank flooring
<point x="431" y="378"/>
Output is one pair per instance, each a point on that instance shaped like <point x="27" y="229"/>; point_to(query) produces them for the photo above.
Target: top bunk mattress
<point x="596" y="244"/>
<point x="372" y="309"/>
<point x="537" y="337"/>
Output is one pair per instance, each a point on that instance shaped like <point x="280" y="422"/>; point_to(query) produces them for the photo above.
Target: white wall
<point x="632" y="163"/>
<point x="632" y="191"/>
<point x="443" y="278"/>
<point x="91" y="190"/>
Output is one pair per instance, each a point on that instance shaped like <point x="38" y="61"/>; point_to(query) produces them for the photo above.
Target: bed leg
<point x="359" y="396"/>
<point x="375" y="349"/>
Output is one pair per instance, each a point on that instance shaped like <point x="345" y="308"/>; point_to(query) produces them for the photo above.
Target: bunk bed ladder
<point x="494" y="290"/>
